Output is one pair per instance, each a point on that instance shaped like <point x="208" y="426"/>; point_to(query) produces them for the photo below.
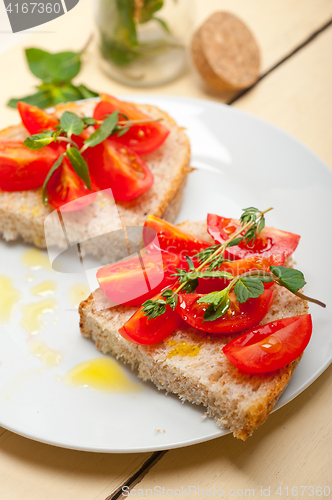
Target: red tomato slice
<point x="127" y="283"/>
<point x="115" y="166"/>
<point x="237" y="267"/>
<point x="140" y="138"/>
<point x="269" y="241"/>
<point x="141" y="330"/>
<point x="238" y="318"/>
<point x="65" y="187"/>
<point x="271" y="346"/>
<point x="174" y="240"/>
<point x="21" y="168"/>
<point x="35" y="119"/>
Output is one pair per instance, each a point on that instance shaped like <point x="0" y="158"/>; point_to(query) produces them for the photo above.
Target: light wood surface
<point x="294" y="447"/>
<point x="280" y="26"/>
<point x="296" y="96"/>
<point x="39" y="471"/>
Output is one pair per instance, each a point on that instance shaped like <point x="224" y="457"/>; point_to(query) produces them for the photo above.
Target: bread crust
<point x="191" y="364"/>
<point x="22" y="214"/>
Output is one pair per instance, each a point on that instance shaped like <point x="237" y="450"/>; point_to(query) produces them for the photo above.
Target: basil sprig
<point x="56" y="72"/>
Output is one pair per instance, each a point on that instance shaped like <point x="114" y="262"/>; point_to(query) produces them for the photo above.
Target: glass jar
<point x="143" y="42"/>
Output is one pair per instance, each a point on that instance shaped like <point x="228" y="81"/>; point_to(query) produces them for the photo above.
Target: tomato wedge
<point x="270" y="241"/>
<point x="127" y="283"/>
<point x="271" y="346"/>
<point x="116" y="166"/>
<point x="140" y="138"/>
<point x="21" y="168"/>
<point x="237" y="267"/>
<point x="173" y="239"/>
<point x="35" y="119"/>
<point x="141" y="330"/>
<point x="238" y="318"/>
<point x="66" y="190"/>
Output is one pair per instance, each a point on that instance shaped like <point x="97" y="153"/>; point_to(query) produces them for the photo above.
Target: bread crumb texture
<point x="191" y="363"/>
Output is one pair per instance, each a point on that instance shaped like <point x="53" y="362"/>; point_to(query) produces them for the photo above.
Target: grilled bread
<point x="191" y="363"/>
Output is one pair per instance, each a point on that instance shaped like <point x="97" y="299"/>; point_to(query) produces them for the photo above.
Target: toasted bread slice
<point x="191" y="364"/>
<point x="23" y="213"/>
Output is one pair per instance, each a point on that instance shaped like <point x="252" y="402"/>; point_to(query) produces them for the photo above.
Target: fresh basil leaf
<point x="292" y="279"/>
<point x="38" y="141"/>
<point x="120" y="53"/>
<point x="148" y="9"/>
<point x="42" y="99"/>
<point x="79" y="165"/>
<point x="266" y="279"/>
<point x="85" y="92"/>
<point x="211" y="314"/>
<point x="248" y="288"/>
<point x="49" y="67"/>
<point x="105" y="129"/>
<point x="55" y="166"/>
<point x="163" y="24"/>
<point x="38" y="61"/>
<point x="66" y="93"/>
<point x="214" y="298"/>
<point x="71" y="123"/>
<point x="63" y="66"/>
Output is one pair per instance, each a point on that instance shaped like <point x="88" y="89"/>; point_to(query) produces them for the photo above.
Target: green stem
<point x="271" y="275"/>
<point x="223" y="247"/>
<point x="69" y="141"/>
<point x="305" y="297"/>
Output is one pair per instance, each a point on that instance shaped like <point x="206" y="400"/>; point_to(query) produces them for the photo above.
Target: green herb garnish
<point x="56" y="72"/>
<point x="118" y="27"/>
<point x="245" y="286"/>
<point x="71" y="124"/>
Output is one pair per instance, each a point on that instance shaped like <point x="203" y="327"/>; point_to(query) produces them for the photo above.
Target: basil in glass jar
<point x="143" y="42"/>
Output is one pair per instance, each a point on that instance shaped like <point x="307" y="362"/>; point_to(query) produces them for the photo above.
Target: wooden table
<point x="293" y="447"/>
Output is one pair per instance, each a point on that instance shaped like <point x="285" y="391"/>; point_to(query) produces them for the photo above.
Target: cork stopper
<point x="226" y="53"/>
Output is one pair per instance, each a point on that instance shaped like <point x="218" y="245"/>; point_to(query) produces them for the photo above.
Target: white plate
<point x="241" y="161"/>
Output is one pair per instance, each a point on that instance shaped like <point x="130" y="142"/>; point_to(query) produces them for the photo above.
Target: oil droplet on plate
<point x="49" y="357"/>
<point x="101" y="374"/>
<point x="36" y="259"/>
<point x="77" y="293"/>
<point x="8" y="298"/>
<point x="32" y="314"/>
<point x="29" y="278"/>
<point x="271" y="345"/>
<point x="44" y="289"/>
